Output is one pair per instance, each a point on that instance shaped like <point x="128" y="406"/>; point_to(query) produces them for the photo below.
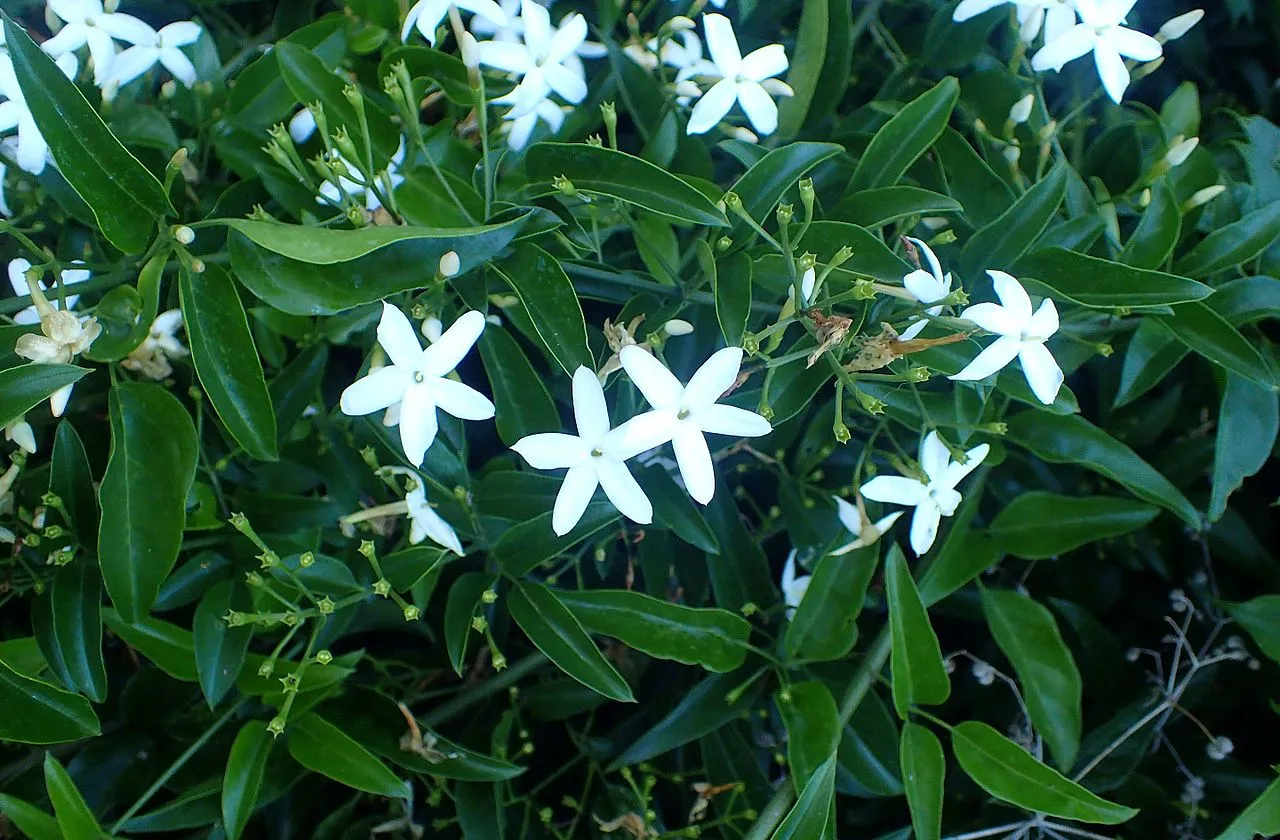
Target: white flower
<point x="1219" y="748"/>
<point x="18" y="269"/>
<point x="595" y="456"/>
<point x="64" y="337"/>
<point x="793" y="588"/>
<point x="19" y="431"/>
<point x="1100" y="32"/>
<point x="32" y="152"/>
<point x="427" y="15"/>
<point x="925" y="286"/>
<point x="808" y="285"/>
<point x="151" y="358"/>
<point x="512" y="32"/>
<point x="742" y="80"/>
<point x="546" y="61"/>
<point x="933" y="499"/>
<point x="1022" y="336"/>
<point x="332" y="193"/>
<point x="851" y="519"/>
<point x="425" y="523"/>
<point x="1054" y="16"/>
<point x="683" y="414"/>
<point x="683" y="51"/>
<point x="162" y="48"/>
<point x="302" y="125"/>
<point x="87" y="23"/>
<point x="416" y="380"/>
<point x="520" y="127"/>
<point x="1175" y="28"/>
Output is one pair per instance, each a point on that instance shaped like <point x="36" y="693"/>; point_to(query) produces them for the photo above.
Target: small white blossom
<point x="425" y="523"/>
<point x="747" y="81"/>
<point x="1175" y="28"/>
<point x="983" y="672"/>
<point x="151" y="358"/>
<point x="793" y="588"/>
<point x="519" y="127"/>
<point x="925" y="286"/>
<point x="1022" y="335"/>
<point x="302" y="125"/>
<point x="851" y="519"/>
<point x="449" y="264"/>
<point x="32" y="151"/>
<point x="87" y="22"/>
<point x="808" y="285"/>
<point x="1053" y="16"/>
<point x="933" y="499"/>
<point x="544" y="61"/>
<point x="20" y="433"/>
<point x="426" y="15"/>
<point x="1101" y="32"/>
<point x="416" y="380"/>
<point x="1219" y="748"/>
<point x="161" y="47"/>
<point x="64" y="336"/>
<point x="18" y="269"/>
<point x="484" y="29"/>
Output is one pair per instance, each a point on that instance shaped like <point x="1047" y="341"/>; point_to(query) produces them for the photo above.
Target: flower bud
<point x="1175" y="28"/>
<point x="1203" y="197"/>
<point x="1180" y="151"/>
<point x="432" y="329"/>
<point x="1012" y="154"/>
<point x="450" y="264"/>
<point x="1144" y="198"/>
<point x="746" y="135"/>
<point x="184" y="235"/>
<point x="677" y="326"/>
<point x="680" y="23"/>
<point x="470" y="50"/>
<point x="688" y="89"/>
<point x="1021" y="110"/>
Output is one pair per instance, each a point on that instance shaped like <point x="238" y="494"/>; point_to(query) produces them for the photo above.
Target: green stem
<point x="490" y="687"/>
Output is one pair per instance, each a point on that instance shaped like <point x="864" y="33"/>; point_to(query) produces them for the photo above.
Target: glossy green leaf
<point x="915" y="663"/>
<point x="595" y="169"/>
<point x="767" y="181"/>
<point x="24" y="387"/>
<point x="674" y="510"/>
<point x="1103" y="284"/>
<point x="71" y="480"/>
<point x="260" y="96"/>
<point x="30" y="820"/>
<point x="296" y="387"/>
<point x="1051" y="686"/>
<point x="984" y="195"/>
<point x="120" y="315"/>
<point x="813" y="727"/>
<point x="965" y="553"/>
<point x="1152" y="353"/>
<point x="825" y="625"/>
<point x="219" y="648"/>
<point x="441" y="68"/>
<point x="1234" y="244"/>
<point x="75" y="619"/>
<point x="905" y="137"/>
<point x="312" y="81"/>
<point x="479" y="810"/>
<point x="1260" y="819"/>
<point x="811" y="817"/>
<point x="806" y="66"/>
<point x="304" y="270"/>
<point x="1206" y="332"/>
<point x="705" y="709"/>
<point x="548" y="297"/>
<point x="1261" y="618"/>
<point x="243" y="778"/>
<point x="731" y="285"/>
<point x="126" y="199"/>
<point x="144" y="493"/>
<point x="39" y="713"/>
<point x="227" y="361"/>
<point x="1074" y="440"/>
<point x="75" y="818"/>
<point x="878" y="207"/>
<point x="1010" y="774"/>
<point x="870" y="254"/>
<point x="459" y="609"/>
<point x="555" y="631"/>
<point x="1152" y="242"/>
<point x="924" y="770"/>
<point x="170" y="647"/>
<point x="713" y="638"/>
<point x="837" y="61"/>
<point x="869" y="750"/>
<point x="196" y="807"/>
<point x="522" y="548"/>
<point x="1040" y="525"/>
<point x="523" y="405"/>
<point x="1000" y="243"/>
<point x="1248" y="423"/>
<point x="324" y="748"/>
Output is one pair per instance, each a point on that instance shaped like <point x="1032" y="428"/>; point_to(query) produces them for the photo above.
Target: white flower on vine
<point x="64" y="335"/>
<point x="520" y="127"/>
<point x="427" y="15"/>
<point x="18" y="269"/>
<point x="87" y="23"/>
<point x="425" y="523"/>
<point x="545" y="60"/>
<point x="1101" y="32"/>
<point x="161" y="47"/>
<point x="32" y="151"/>
<point x="793" y="587"/>
<point x="747" y="81"/>
<point x="1053" y="16"/>
<point x="152" y="357"/>
<point x="852" y="520"/>
<point x="925" y="286"/>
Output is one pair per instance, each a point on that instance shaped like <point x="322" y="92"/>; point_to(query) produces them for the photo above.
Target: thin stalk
<point x="490" y="687"/>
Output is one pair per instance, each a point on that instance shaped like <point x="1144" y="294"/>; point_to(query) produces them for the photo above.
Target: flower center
<point x="682" y="414"/>
<point x="597" y="453"/>
<point x="419" y="377"/>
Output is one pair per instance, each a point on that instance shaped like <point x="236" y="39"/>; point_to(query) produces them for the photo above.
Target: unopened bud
<point x="1144" y="198"/>
<point x="746" y="135"/>
<point x="450" y="264"/>
<point x="470" y="50"/>
<point x="677" y="327"/>
<point x="1180" y="151"/>
<point x="168" y="90"/>
<point x="1203" y="197"/>
<point x="184" y="235"/>
<point x="679" y="23"/>
<point x="1021" y="110"/>
<point x="197" y="266"/>
<point x="1012" y="154"/>
<point x="1175" y="28"/>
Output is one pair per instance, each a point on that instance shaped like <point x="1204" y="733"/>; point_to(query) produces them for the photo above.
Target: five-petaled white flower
<point x="18" y="269"/>
<point x="851" y="519"/>
<point x="793" y="588"/>
<point x="427" y="15"/>
<point x="425" y="523"/>
<point x="683" y="414"/>
<point x="162" y="47"/>
<point x="151" y="358"/>
<point x="1054" y="16"/>
<point x="595" y="456"/>
<point x="88" y="23"/>
<point x="933" y="499"/>
<point x="1022" y="336"/>
<point x="925" y="286"/>
<point x="65" y="336"/>
<point x="546" y="61"/>
<point x="32" y="151"/>
<point x="416" y="380"/>
<point x="747" y="81"/>
<point x="1101" y="32"/>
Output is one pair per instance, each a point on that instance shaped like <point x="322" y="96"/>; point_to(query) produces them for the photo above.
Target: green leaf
<point x="1261" y="618"/>
<point x="870" y="254"/>
<point x="767" y="181"/>
<point x="806" y="66"/>
<point x="170" y="647"/>
<point x="196" y="807"/>
<point x="523" y="404"/>
<point x="1206" y="332"/>
<point x="522" y="548"/>
<point x="1010" y="774"/>
<point x="440" y="68"/>
<point x="75" y="622"/>
<point x="126" y="199"/>
<point x="548" y="296"/>
<point x="144" y="493"/>
<point x="479" y="810"/>
<point x="875" y="208"/>
<point x="295" y="387"/>
<point x="924" y="770"/>
<point x="459" y="609"/>
<point x="713" y="638"/>
<point x="1039" y="525"/>
<point x="260" y="96"/>
<point x="1260" y="818"/>
<point x="731" y="285"/>
<point x="1152" y="353"/>
<point x="1248" y="423"/>
<point x="71" y="480"/>
<point x="324" y="748"/>
<point x="869" y="750"/>
<point x="227" y="361"/>
<point x="312" y="81"/>
<point x="219" y="648"/>
<point x="915" y="662"/>
<point x="119" y="313"/>
<point x="673" y="509"/>
<point x="1000" y="243"/>
<point x="964" y="554"/>
<point x="710" y="705"/>
<point x="305" y="270"/>
<point x="825" y="625"/>
<point x="75" y="819"/>
<point x="1073" y="440"/>
<point x="1103" y="284"/>
<point x="1029" y="637"/>
<point x="243" y="777"/>
<point x="1153" y="240"/>
<point x="29" y="819"/>
<point x="905" y="137"/>
<point x="38" y="713"/>
<point x="595" y="169"/>
<point x="813" y="727"/>
<point x="984" y="195"/>
<point x="833" y="78"/>
<point x="810" y="818"/>
<point x="24" y="387"/>
<point x="1234" y="244"/>
<point x="555" y="632"/>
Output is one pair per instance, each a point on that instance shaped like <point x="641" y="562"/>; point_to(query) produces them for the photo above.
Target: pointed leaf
<point x="75" y="605"/>
<point x="74" y="816"/>
<point x="1260" y="819"/>
<point x="872" y="209"/>
<point x="39" y="713"/>
<point x="24" y="387"/>
<point x="243" y="778"/>
<point x="170" y="647"/>
<point x="915" y="663"/>
<point x="71" y="480"/>
<point x="30" y="820"/>
<point x="813" y="727"/>
<point x="905" y="137"/>
<point x="731" y="285"/>
<point x="459" y="609"/>
<point x="673" y="509"/>
<point x="312" y="81"/>
<point x="1206" y="332"/>
<point x="1000" y="243"/>
<point x="1152" y="242"/>
<point x="1261" y="618"/>
<point x="708" y="707"/>
<point x="769" y="179"/>
<point x="810" y="818"/>
<point x="548" y="296"/>
<point x="523" y="405"/>
<point x="1038" y="525"/>
<point x="323" y="748"/>
<point x="219" y="648"/>
<point x="825" y="625"/>
<point x="1234" y="244"/>
<point x="523" y="547"/>
<point x="1103" y="284"/>
<point x="924" y="770"/>
<point x="1248" y="423"/>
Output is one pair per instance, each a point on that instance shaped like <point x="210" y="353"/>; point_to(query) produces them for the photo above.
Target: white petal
<point x="1012" y="296"/>
<point x="379" y="389"/>
<point x="71" y="38"/>
<point x="565" y="82"/>
<point x="75" y="11"/>
<point x="33" y="151"/>
<point x="1133" y="44"/>
<point x="445" y="354"/>
<point x="873" y="535"/>
<point x="759" y="107"/>
<point x="510" y="58"/>
<point x="398" y="337"/>
<point x="925" y="287"/>
<point x="486" y="9"/>
<point x="1042" y="371"/>
<point x="1111" y="69"/>
<point x="1070" y="45"/>
<point x="621" y="488"/>
<point x="934" y="456"/>
<point x="551" y="450"/>
<point x="713" y="106"/>
<point x="568" y="38"/>
<point x="418" y="424"/>
<point x="103" y="52"/>
<point x="765" y="62"/>
<point x="993" y="318"/>
<point x="924" y="527"/>
<point x="130" y="29"/>
<point x="132" y="63"/>
<point x="722" y="43"/>
<point x="426" y="523"/>
<point x="894" y="489"/>
<point x="521" y="129"/>
<point x="848" y="516"/>
<point x="177" y="63"/>
<point x="997" y="354"/>
<point x="21" y="433"/>
<point x="180" y="34"/>
<point x="1058" y="20"/>
<point x="640" y="434"/>
<point x="590" y="412"/>
<point x="972" y="8"/>
<point x="1044" y="323"/>
<point x="808" y="282"/>
<point x="716" y="375"/>
<point x="694" y="458"/>
<point x="659" y="385"/>
<point x="460" y="400"/>
<point x="913" y="330"/>
<point x="789" y="571"/>
<point x="732" y="421"/>
<point x="574" y="496"/>
<point x="18" y="269"/>
<point x="956" y="472"/>
<point x="302" y="126"/>
<point x="59" y="399"/>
